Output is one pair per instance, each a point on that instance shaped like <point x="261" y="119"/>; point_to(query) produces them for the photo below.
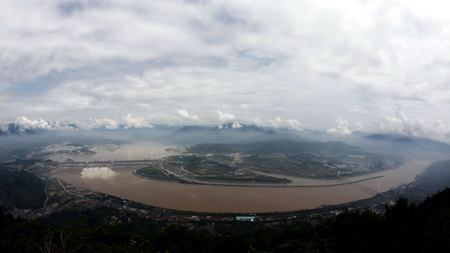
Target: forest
<point x="404" y="227"/>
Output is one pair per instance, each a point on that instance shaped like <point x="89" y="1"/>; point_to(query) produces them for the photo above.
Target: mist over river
<point x="209" y="198"/>
<point x="131" y="151"/>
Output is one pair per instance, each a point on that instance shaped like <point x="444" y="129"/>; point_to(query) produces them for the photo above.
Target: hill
<point x="281" y="146"/>
<point x="404" y="227"/>
<point x="21" y="189"/>
<point x="406" y="146"/>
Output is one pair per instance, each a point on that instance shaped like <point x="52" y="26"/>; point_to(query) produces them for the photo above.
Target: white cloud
<point x="293" y="124"/>
<point x="135" y="122"/>
<point x="33" y="124"/>
<point x="225" y="117"/>
<point x="236" y="125"/>
<point x="341" y="127"/>
<point x="105" y="123"/>
<point x="401" y="123"/>
<point x="185" y="115"/>
<point x="306" y="62"/>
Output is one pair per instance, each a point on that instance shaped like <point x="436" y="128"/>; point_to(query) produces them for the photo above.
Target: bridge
<point x="362" y="186"/>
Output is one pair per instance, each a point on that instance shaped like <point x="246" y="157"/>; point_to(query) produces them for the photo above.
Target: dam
<point x="113" y="165"/>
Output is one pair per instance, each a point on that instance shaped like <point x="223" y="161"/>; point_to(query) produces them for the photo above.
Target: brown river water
<point x="133" y="151"/>
<point x="211" y="198"/>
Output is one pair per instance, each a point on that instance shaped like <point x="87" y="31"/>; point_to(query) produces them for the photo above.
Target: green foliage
<point x="155" y="173"/>
<point x="436" y="177"/>
<point x="21" y="189"/>
<point x="281" y="146"/>
<point x="404" y="227"/>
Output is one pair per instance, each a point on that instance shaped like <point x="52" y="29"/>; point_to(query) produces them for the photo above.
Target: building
<point x="246" y="218"/>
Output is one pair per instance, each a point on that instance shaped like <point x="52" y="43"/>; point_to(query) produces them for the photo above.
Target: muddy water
<point x="134" y="151"/>
<point x="210" y="198"/>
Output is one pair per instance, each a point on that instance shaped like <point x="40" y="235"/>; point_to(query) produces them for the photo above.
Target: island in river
<point x="213" y="198"/>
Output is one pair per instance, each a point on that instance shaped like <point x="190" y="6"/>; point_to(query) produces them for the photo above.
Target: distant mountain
<point x="14" y="129"/>
<point x="235" y="126"/>
<point x="404" y="140"/>
<point x="283" y="146"/>
<point x="73" y="126"/>
<point x="232" y="132"/>
<point x="380" y="137"/>
<point x="409" y="146"/>
<point x="186" y="129"/>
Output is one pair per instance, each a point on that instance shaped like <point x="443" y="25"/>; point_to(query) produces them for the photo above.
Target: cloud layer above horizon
<point x="375" y="66"/>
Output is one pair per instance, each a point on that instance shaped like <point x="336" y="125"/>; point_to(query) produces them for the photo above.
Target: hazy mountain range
<point x="233" y="132"/>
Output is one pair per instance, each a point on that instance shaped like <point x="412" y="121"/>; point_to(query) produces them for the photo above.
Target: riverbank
<point x="239" y="199"/>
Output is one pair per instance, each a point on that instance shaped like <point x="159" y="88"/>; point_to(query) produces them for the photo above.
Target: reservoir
<point x="132" y="151"/>
<point x="211" y="198"/>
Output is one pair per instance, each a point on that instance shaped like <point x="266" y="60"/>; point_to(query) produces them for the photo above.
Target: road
<point x="68" y="190"/>
<point x="46" y="199"/>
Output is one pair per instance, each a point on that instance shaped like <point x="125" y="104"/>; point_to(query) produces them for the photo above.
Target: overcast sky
<point x="338" y="66"/>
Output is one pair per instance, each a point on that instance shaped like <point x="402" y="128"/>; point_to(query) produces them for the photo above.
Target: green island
<point x="295" y="158"/>
<point x="271" y="162"/>
<point x="154" y="172"/>
<point x="207" y="169"/>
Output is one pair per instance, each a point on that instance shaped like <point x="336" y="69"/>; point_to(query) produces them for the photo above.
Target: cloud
<point x="418" y="126"/>
<point x="127" y="121"/>
<point x="185" y="115"/>
<point x="105" y="123"/>
<point x="33" y="124"/>
<point x="293" y="124"/>
<point x="225" y="117"/>
<point x="341" y="127"/>
<point x="305" y="62"/>
<point x="137" y="122"/>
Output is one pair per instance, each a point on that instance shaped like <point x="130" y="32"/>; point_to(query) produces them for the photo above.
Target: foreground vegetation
<point x="404" y="227"/>
<point x="21" y="189"/>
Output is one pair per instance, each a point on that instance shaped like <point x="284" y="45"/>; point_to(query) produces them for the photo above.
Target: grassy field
<point x="201" y="165"/>
<point x="208" y="170"/>
<point x="154" y="172"/>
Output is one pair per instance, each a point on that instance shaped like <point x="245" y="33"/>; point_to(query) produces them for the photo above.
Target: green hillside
<point x="21" y="189"/>
<point x="404" y="227"/>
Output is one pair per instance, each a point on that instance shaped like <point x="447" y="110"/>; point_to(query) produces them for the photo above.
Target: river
<point x="209" y="198"/>
<point x="132" y="151"/>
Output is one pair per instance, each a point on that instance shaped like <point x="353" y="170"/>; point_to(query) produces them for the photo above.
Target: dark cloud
<point x="69" y="7"/>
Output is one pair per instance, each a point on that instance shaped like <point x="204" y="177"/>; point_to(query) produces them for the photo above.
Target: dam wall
<point x="131" y="164"/>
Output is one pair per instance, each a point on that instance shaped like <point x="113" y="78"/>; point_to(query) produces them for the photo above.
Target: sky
<point x="334" y="66"/>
